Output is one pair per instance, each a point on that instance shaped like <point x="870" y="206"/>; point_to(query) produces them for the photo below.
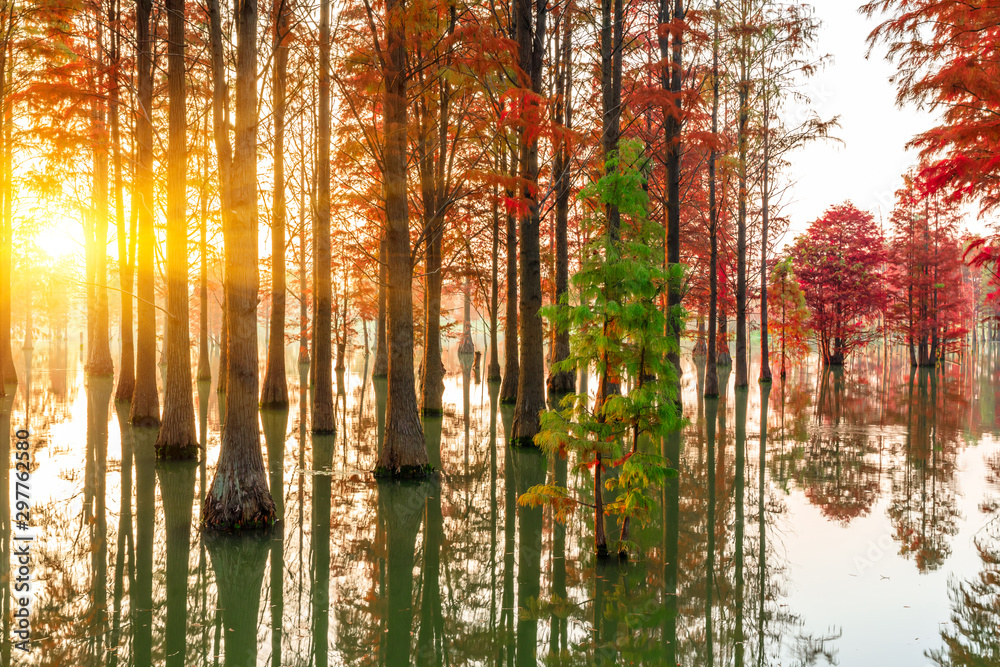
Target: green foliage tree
<point x="619" y="327"/>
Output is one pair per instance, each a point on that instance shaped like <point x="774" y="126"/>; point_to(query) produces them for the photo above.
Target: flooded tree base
<point x="404" y="472"/>
<point x="230" y="506"/>
<point x="186" y="452"/>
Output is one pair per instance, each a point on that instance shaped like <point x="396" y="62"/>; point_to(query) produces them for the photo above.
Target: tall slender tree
<point x="238" y="497"/>
<point x="742" y="129"/>
<point x="323" y="418"/>
<point x="531" y="375"/>
<point x="672" y="51"/>
<point x="404" y="452"/>
<point x="126" y="235"/>
<point x="561" y="382"/>
<point x="275" y="389"/>
<point x="99" y="362"/>
<point x="178" y="438"/>
<point x="145" y="399"/>
<point x="711" y="372"/>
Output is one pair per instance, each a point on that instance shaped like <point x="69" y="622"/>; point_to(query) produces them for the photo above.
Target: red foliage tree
<point x="837" y="262"/>
<point x="931" y="304"/>
<point x="947" y="56"/>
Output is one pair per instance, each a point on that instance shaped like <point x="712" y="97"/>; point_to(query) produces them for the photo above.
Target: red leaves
<point x="947" y="58"/>
<point x="623" y="459"/>
<point x="837" y="263"/>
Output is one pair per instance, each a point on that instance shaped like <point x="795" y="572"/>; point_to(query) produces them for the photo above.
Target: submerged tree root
<point x="231" y="507"/>
<point x="404" y="472"/>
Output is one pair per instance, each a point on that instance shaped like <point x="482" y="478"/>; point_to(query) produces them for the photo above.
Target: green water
<point x="860" y="526"/>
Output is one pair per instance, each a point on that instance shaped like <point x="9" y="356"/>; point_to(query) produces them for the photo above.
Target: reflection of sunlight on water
<point x="874" y="495"/>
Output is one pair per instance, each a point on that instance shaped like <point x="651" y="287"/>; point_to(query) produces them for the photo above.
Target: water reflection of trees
<point x="453" y="572"/>
<point x="971" y="638"/>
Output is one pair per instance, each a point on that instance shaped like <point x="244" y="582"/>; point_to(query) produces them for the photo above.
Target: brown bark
<point x="432" y="375"/>
<point x="531" y="376"/>
<point x="323" y="419"/>
<point x="99" y="362"/>
<point x="126" y="373"/>
<point x="404" y="452"/>
<point x="433" y="186"/>
<point x="765" y="363"/>
<point x="238" y="497"/>
<point x="145" y="398"/>
<point x="673" y="138"/>
<point x="126" y="235"/>
<point x="7" y="373"/>
<point x="741" y="215"/>
<point x="508" y="388"/>
<point x="493" y="373"/>
<point x="178" y="438"/>
<point x="380" y="368"/>
<point x="204" y="363"/>
<point x="562" y="382"/>
<point x="723" y="357"/>
<point x="224" y="155"/>
<point x="275" y="390"/>
<point x="711" y="372"/>
<point x="303" y="295"/>
<point x="224" y="343"/>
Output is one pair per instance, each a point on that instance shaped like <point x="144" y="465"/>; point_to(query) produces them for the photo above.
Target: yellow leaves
<point x="556" y="497"/>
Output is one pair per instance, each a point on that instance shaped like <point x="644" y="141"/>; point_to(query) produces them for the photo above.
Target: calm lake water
<point x="845" y="518"/>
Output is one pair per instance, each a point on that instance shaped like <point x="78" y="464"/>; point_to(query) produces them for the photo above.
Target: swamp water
<point x="860" y="527"/>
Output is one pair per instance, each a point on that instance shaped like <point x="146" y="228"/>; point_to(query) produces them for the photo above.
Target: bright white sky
<point x="868" y="166"/>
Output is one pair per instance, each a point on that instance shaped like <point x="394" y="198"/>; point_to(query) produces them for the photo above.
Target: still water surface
<point x="845" y="518"/>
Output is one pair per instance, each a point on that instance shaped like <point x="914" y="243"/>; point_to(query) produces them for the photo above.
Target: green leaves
<point x="619" y="328"/>
<point x="556" y="497"/>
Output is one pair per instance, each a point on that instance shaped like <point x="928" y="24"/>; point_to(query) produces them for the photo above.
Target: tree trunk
<point x="724" y="358"/>
<point x="126" y="235"/>
<point x="204" y="363"/>
<point x="432" y="380"/>
<point x="404" y="452"/>
<point x="99" y="362"/>
<point x="238" y="497"/>
<point x="765" y="362"/>
<point x="275" y="390"/>
<point x="562" y="382"/>
<point x="303" y="291"/>
<point x="323" y="420"/>
<point x="380" y="369"/>
<point x="741" y="215"/>
<point x="493" y="373"/>
<point x="508" y="388"/>
<point x="224" y="154"/>
<point x="145" y="399"/>
<point x="7" y="373"/>
<point x="178" y="438"/>
<point x="711" y="372"/>
<point x="531" y="375"/>
<point x="673" y="139"/>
